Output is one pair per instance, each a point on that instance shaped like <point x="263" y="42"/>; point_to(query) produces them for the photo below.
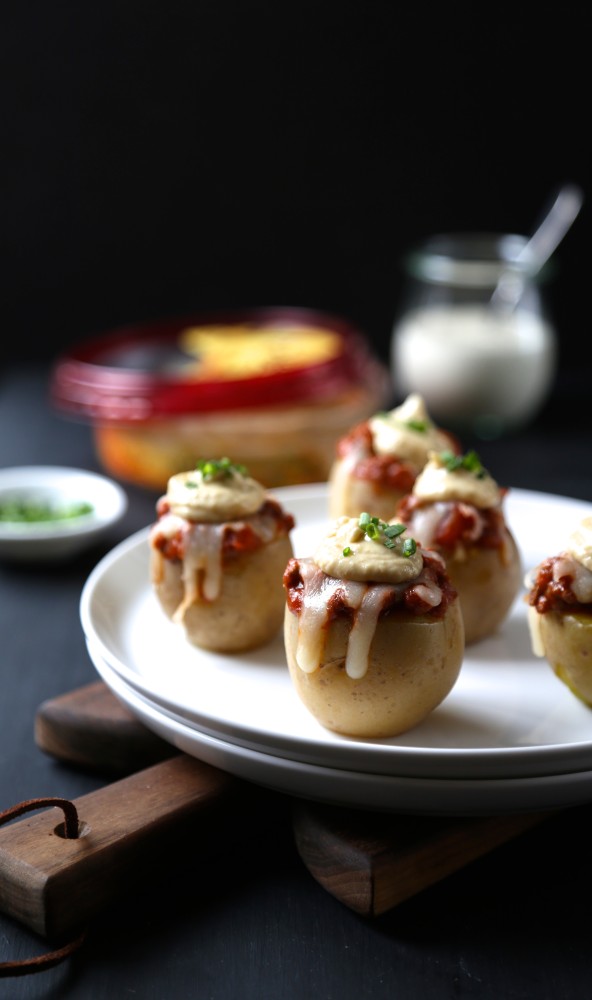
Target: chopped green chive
<point x="25" y="510"/>
<point x="384" y="533"/>
<point x="470" y="462"/>
<point x="409" y="547"/>
<point x="394" y="530"/>
<point x="347" y="550"/>
<point x="421" y="426"/>
<point x="218" y="469"/>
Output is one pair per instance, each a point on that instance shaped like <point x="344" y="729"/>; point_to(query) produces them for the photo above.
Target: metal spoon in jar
<point x="539" y="248"/>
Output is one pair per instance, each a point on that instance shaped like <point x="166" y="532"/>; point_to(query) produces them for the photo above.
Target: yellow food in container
<point x="273" y="388"/>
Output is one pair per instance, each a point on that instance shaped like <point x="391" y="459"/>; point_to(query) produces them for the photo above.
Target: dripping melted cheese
<point x="365" y="600"/>
<point x="580" y="576"/>
<point x="202" y="547"/>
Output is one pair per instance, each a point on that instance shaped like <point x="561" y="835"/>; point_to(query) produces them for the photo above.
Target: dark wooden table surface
<point x="239" y="916"/>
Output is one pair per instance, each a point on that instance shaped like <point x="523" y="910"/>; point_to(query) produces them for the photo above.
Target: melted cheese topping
<point x="437" y="482"/>
<point x="580" y="576"/>
<point x="425" y="521"/>
<point x="581" y="585"/>
<point x="576" y="564"/>
<point x="343" y="468"/>
<point x="365" y="600"/>
<point x="202" y="563"/>
<point x="202" y="567"/>
<point x="394" y="433"/>
<point x="534" y="625"/>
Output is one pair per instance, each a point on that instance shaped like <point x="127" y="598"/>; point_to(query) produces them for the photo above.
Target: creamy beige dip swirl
<point x="407" y="432"/>
<point x="233" y="495"/>
<point x="348" y="554"/>
<point x="436" y="482"/>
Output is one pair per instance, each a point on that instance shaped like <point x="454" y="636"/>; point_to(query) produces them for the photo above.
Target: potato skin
<point x="350" y="496"/>
<point x="414" y="664"/>
<point x="567" y="641"/>
<point x="487" y="582"/>
<point x="249" y="609"/>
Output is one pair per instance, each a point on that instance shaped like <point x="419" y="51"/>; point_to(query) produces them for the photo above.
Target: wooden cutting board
<point x="371" y="862"/>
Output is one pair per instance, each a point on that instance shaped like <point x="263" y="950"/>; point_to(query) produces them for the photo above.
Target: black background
<point x="160" y="158"/>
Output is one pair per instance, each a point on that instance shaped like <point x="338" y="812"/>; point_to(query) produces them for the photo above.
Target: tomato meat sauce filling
<point x="400" y="599"/>
<point x="553" y="592"/>
<point x="238" y="537"/>
<point x="461" y="524"/>
<point x="386" y="471"/>
<point x="382" y="470"/>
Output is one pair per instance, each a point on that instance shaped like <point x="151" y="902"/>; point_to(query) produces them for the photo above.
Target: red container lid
<point x="213" y="362"/>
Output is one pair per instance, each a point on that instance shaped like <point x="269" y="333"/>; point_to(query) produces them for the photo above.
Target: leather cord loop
<point x="39" y="963"/>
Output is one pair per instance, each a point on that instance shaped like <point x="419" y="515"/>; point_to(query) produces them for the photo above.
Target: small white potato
<point x="413" y="665"/>
<point x="567" y="643"/>
<point x="487" y="581"/>
<point x="249" y="608"/>
<point x="349" y="496"/>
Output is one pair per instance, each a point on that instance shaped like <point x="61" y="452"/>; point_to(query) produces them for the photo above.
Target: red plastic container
<point x="271" y="388"/>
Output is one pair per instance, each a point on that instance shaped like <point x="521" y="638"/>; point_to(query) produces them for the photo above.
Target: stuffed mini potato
<point x="373" y="631"/>
<point x="455" y="507"/>
<point x="560" y="612"/>
<point x="218" y="552"/>
<point x="378" y="461"/>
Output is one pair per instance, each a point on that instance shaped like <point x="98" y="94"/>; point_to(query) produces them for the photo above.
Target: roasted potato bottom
<point x="249" y="609"/>
<point x="413" y="666"/>
<point x="567" y="641"/>
<point x="487" y="586"/>
<point x="350" y="497"/>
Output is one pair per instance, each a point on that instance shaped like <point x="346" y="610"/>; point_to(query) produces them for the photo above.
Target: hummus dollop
<point x="407" y="432"/>
<point x="445" y="477"/>
<point x="348" y="553"/>
<point x="214" y="497"/>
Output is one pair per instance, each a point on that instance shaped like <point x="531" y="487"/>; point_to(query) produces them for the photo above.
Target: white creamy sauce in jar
<point x="471" y="360"/>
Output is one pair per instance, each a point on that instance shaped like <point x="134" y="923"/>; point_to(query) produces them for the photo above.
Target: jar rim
<point x="476" y="259"/>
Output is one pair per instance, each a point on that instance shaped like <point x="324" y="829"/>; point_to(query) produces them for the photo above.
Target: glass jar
<point x="482" y="365"/>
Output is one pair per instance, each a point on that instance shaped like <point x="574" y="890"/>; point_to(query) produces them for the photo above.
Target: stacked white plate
<point x="509" y="737"/>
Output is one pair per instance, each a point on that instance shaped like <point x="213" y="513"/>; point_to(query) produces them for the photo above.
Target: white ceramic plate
<point x="508" y="715"/>
<point x="355" y="789"/>
<point x="57" y="487"/>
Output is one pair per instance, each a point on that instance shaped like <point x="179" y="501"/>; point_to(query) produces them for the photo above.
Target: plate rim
<point x="416" y="794"/>
<point x="408" y="760"/>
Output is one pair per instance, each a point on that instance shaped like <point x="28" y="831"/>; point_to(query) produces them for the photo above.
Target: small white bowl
<point x="58" y="488"/>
